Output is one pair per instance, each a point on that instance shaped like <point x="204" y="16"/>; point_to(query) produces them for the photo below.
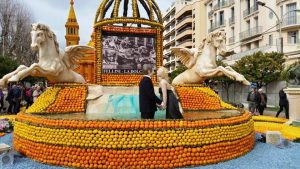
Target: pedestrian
<point x="36" y="93"/>
<point x="28" y="97"/>
<point x="16" y="98"/>
<point x="263" y="102"/>
<point x="1" y="100"/>
<point x="253" y="100"/>
<point x="283" y="103"/>
<point x="9" y="99"/>
<point x="148" y="100"/>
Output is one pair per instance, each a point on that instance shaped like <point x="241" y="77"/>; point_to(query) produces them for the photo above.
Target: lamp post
<point x="279" y="23"/>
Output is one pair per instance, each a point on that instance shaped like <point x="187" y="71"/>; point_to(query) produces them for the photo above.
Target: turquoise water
<point x="126" y="107"/>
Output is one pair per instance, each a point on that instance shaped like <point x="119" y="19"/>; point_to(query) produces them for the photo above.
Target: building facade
<point x="185" y="26"/>
<point x="251" y="28"/>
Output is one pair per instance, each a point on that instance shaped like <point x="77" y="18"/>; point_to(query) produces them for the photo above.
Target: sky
<point x="54" y="13"/>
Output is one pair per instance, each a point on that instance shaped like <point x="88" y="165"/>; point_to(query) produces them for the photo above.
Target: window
<point x="293" y="37"/>
<point x="256" y="21"/>
<point x="211" y="23"/>
<point x="232" y="32"/>
<point x="270" y="40"/>
<point x="221" y="18"/>
<point x="292" y="16"/>
<point x="210" y="7"/>
<point x="248" y="25"/>
<point x="248" y="6"/>
<point x="194" y="26"/>
<point x="232" y="12"/>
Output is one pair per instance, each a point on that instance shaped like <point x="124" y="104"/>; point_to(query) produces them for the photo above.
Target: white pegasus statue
<point x="54" y="64"/>
<point x="201" y="62"/>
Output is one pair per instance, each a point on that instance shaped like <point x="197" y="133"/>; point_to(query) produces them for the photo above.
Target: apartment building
<point x="251" y="28"/>
<point x="185" y="26"/>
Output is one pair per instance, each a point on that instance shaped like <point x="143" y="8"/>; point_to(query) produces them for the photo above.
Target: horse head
<point x="218" y="40"/>
<point x="40" y="34"/>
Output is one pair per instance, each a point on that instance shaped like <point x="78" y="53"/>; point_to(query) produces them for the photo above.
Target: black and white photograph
<point x="127" y="54"/>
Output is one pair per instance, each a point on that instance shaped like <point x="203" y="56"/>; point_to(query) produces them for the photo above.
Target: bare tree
<point x="15" y="21"/>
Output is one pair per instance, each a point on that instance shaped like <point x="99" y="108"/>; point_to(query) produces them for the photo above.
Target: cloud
<point x="54" y="13"/>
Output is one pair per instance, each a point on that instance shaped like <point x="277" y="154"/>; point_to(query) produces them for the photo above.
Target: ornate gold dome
<point x="139" y="12"/>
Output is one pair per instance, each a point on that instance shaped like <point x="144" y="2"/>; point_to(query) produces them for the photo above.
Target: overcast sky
<point x="54" y="13"/>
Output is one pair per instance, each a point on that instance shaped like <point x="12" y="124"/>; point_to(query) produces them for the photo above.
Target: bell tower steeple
<point x="72" y="27"/>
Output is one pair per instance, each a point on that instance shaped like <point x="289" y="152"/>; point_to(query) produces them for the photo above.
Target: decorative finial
<point x="72" y="2"/>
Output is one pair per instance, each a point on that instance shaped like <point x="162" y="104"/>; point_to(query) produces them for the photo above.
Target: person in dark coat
<point x="253" y="99"/>
<point x="263" y="102"/>
<point x="9" y="99"/>
<point x="148" y="100"/>
<point x="283" y="103"/>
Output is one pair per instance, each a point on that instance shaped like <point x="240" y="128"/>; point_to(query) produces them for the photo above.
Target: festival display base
<point x="294" y="106"/>
<point x="77" y="141"/>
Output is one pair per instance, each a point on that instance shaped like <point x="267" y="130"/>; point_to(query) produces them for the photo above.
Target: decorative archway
<point x="128" y="34"/>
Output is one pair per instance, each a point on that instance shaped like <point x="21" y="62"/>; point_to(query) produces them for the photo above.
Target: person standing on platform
<point x="283" y="103"/>
<point x="263" y="102"/>
<point x="170" y="102"/>
<point x="148" y="100"/>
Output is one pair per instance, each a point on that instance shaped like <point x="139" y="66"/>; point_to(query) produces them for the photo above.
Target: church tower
<point x="72" y="27"/>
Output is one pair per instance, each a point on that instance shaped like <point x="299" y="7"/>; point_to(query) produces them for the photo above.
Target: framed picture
<point x="122" y="52"/>
<point x="127" y="54"/>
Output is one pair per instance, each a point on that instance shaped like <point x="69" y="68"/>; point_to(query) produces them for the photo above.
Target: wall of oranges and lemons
<point x="133" y="144"/>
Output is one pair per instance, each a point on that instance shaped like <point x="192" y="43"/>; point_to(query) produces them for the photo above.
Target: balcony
<point x="185" y="43"/>
<point x="248" y="52"/>
<point x="253" y="32"/>
<point x="184" y="21"/>
<point x="279" y="1"/>
<point x="183" y="32"/>
<point x="217" y="25"/>
<point x="231" y="20"/>
<point x="294" y="43"/>
<point x="223" y="4"/>
<point x="250" y="11"/>
<point x="231" y="40"/>
<point x="291" y="21"/>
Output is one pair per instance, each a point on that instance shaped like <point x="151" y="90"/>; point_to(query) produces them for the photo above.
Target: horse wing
<point x="73" y="54"/>
<point x="186" y="56"/>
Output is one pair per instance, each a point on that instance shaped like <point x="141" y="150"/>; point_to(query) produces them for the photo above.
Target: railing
<point x="217" y="25"/>
<point x="250" y="11"/>
<point x="184" y="41"/>
<point x="182" y="30"/>
<point x="291" y="20"/>
<point x="231" y="40"/>
<point x="251" y="32"/>
<point x="294" y="43"/>
<point x="249" y="52"/>
<point x="182" y="19"/>
<point x="232" y="20"/>
<point x="223" y="4"/>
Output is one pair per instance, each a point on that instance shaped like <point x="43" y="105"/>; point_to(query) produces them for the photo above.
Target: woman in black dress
<point x="170" y="102"/>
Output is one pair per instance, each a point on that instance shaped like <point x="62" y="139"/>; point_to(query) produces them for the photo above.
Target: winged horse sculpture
<point x="54" y="64"/>
<point x="201" y="62"/>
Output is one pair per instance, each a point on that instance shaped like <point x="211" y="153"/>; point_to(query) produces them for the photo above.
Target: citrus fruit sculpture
<point x="58" y="129"/>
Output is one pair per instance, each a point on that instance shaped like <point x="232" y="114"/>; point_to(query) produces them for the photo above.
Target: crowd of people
<point x="18" y="95"/>
<point x="257" y="101"/>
